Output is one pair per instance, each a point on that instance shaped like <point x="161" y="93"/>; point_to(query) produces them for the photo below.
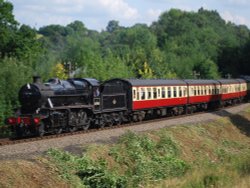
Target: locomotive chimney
<point x="37" y="79"/>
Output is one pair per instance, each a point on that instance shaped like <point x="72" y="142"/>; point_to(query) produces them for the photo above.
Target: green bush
<point x="92" y="173"/>
<point x="148" y="160"/>
<point x="139" y="158"/>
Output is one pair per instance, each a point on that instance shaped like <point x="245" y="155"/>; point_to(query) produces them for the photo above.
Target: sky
<point x="95" y="14"/>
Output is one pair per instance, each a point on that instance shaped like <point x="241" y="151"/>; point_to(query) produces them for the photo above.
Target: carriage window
<point x="154" y="93"/>
<point x="195" y="91"/>
<point x="192" y="92"/>
<point x="243" y="87"/>
<point x="202" y="88"/>
<point x="180" y="92"/>
<point x="149" y="93"/>
<point x="169" y="92"/>
<point x="175" y="92"/>
<point x="217" y="91"/>
<point x="134" y="94"/>
<point x="224" y="89"/>
<point x="198" y="93"/>
<point x="184" y="91"/>
<point x="159" y="93"/>
<point x="143" y="93"/>
<point x="163" y="94"/>
<point x="138" y="94"/>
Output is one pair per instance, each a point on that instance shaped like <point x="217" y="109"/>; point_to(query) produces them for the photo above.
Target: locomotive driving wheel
<point x="41" y="129"/>
<point x="109" y="121"/>
<point x="83" y="120"/>
<point x="117" y="119"/>
<point x="73" y="121"/>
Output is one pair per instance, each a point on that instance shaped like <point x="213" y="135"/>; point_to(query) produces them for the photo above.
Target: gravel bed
<point x="76" y="143"/>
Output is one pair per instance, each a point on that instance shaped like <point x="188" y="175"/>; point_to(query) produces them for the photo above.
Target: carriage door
<point x="96" y="94"/>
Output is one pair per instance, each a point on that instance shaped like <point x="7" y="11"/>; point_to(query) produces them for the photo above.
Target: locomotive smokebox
<point x="37" y="80"/>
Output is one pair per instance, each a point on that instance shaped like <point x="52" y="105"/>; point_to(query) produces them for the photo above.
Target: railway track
<point x="8" y="141"/>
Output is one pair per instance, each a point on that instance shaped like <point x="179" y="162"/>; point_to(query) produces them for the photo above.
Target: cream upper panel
<point x="163" y="92"/>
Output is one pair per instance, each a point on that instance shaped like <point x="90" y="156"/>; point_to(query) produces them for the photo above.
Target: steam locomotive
<point x="80" y="103"/>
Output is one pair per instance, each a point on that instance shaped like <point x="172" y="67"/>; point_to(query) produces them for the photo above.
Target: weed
<point x="242" y="164"/>
<point x="92" y="173"/>
<point x="232" y="144"/>
<point x="148" y="160"/>
<point x="208" y="180"/>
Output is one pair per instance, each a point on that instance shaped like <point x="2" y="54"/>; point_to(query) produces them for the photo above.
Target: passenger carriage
<point x="154" y="97"/>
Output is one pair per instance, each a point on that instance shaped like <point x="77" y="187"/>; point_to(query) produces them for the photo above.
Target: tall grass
<point x="138" y="160"/>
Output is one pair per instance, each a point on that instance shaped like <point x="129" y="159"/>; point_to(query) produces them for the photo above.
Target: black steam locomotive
<point x="78" y="103"/>
<point x="54" y="106"/>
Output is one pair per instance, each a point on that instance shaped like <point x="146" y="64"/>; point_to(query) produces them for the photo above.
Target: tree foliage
<point x="58" y="71"/>
<point x="178" y="44"/>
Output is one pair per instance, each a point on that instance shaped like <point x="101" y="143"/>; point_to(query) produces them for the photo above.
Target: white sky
<point x="95" y="14"/>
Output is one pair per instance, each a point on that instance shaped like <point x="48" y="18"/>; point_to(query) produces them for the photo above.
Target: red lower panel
<point x="243" y="93"/>
<point x="158" y="103"/>
<point x="233" y="95"/>
<point x="202" y="99"/>
<point x="145" y="104"/>
<point x="229" y="96"/>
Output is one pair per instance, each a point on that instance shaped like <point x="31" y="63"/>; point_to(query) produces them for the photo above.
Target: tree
<point x="112" y="26"/>
<point x="59" y="71"/>
<point x="13" y="74"/>
<point x="146" y="72"/>
<point x="27" y="47"/>
<point x="8" y="27"/>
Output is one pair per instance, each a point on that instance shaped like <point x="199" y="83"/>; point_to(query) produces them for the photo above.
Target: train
<point x="58" y="106"/>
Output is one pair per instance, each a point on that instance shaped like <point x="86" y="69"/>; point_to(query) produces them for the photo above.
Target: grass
<point x="23" y="173"/>
<point x="214" y="154"/>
